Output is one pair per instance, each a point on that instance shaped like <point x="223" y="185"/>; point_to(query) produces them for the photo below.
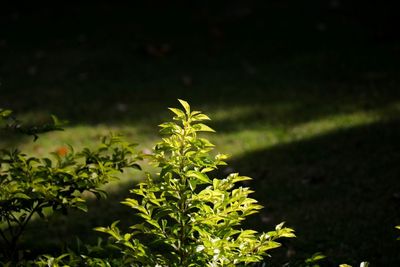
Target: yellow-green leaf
<point x="200" y="176"/>
<point x="200" y="127"/>
<point x="177" y="112"/>
<point x="185" y="105"/>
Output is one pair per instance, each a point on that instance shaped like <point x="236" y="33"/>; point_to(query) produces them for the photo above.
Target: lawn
<point x="306" y="103"/>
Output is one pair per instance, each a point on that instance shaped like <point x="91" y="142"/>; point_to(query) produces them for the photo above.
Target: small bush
<point x="187" y="217"/>
<point x="29" y="185"/>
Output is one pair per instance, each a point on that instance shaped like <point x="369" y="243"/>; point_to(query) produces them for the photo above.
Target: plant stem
<point x="3" y="235"/>
<point x="183" y="203"/>
<point x="6" y="244"/>
<point x="10" y="229"/>
<point x="17" y="235"/>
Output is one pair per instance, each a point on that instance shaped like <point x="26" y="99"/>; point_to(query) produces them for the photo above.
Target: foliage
<point x="187" y="217"/>
<point x="362" y="264"/>
<point x="314" y="260"/>
<point x="398" y="228"/>
<point x="10" y="123"/>
<point x="31" y="185"/>
<point x="99" y="255"/>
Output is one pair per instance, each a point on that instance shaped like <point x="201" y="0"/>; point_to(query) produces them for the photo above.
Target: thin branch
<point x="16" y="236"/>
<point x="16" y="219"/>
<point x="3" y="235"/>
<point x="9" y="226"/>
<point x="27" y="219"/>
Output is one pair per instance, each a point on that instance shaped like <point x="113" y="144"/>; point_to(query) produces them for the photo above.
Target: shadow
<point x="127" y="68"/>
<point x="106" y="69"/>
<point x="62" y="232"/>
<point x="340" y="191"/>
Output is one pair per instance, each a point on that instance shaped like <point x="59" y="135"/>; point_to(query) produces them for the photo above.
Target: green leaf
<point x="203" y="178"/>
<point x="185" y="105"/>
<point x="100" y="194"/>
<point x="247" y="233"/>
<point x="273" y="244"/>
<point x="133" y="203"/>
<point x="279" y="226"/>
<point x="315" y="257"/>
<point x="178" y="112"/>
<point x="21" y="195"/>
<point x="81" y="206"/>
<point x="207" y="169"/>
<point x="216" y="183"/>
<point x="236" y="178"/>
<point x="286" y="232"/>
<point x="193" y="184"/>
<point x="201" y="117"/>
<point x="57" y="122"/>
<point x="5" y="113"/>
<point x="200" y="127"/>
<point x="135" y="166"/>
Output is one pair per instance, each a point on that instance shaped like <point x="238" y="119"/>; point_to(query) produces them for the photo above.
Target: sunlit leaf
<point x="185" y="105"/>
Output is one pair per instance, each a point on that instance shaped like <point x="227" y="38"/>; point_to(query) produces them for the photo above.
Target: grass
<point x="312" y="115"/>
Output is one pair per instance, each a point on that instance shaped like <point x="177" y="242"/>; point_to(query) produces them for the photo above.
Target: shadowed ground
<point x="339" y="189"/>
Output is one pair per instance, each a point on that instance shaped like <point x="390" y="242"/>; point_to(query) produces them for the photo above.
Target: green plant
<point x="187" y="217"/>
<point x="398" y="228"/>
<point x="314" y="260"/>
<point x="31" y="185"/>
<point x="362" y="264"/>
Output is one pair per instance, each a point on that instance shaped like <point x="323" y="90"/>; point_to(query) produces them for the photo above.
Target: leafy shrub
<point x="29" y="185"/>
<point x="362" y="264"/>
<point x="188" y="218"/>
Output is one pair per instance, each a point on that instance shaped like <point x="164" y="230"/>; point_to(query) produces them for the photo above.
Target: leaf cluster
<point x="188" y="217"/>
<point x="30" y="185"/>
